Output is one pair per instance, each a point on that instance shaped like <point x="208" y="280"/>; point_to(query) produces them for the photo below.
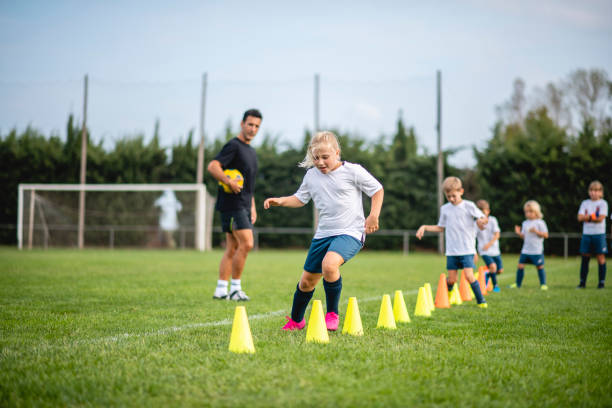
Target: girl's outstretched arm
<point x="288" y="201"/>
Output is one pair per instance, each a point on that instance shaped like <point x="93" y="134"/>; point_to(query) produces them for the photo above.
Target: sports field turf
<point x="140" y="328"/>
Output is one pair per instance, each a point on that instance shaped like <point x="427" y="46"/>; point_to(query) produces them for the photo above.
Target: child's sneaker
<point x="496" y="289"/>
<point x="483" y="305"/>
<point x="292" y="325"/>
<point x="581" y="286"/>
<point x="239" y="296"/>
<point x="514" y="286"/>
<point x="600" y="285"/>
<point x="331" y="321"/>
<point x="543" y="287"/>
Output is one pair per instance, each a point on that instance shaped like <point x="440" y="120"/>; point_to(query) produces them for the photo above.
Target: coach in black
<point x="237" y="208"/>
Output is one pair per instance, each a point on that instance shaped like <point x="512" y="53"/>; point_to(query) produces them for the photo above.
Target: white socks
<point x="235" y="286"/>
<point x="221" y="289"/>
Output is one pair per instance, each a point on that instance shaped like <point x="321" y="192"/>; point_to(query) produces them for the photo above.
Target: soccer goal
<point x="115" y="215"/>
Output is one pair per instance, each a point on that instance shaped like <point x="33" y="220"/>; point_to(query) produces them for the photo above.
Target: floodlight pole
<point x="315" y="213"/>
<point x="201" y="194"/>
<point x="440" y="155"/>
<point x="81" y="238"/>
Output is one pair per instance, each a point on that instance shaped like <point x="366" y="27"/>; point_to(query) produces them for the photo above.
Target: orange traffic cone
<point x="464" y="288"/>
<point x="442" y="293"/>
<point x="481" y="279"/>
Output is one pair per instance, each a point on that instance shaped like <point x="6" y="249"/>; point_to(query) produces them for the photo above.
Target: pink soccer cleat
<point x="292" y="325"/>
<point x="331" y="321"/>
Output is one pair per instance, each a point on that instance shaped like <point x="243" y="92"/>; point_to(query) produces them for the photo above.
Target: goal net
<point x="115" y="215"/>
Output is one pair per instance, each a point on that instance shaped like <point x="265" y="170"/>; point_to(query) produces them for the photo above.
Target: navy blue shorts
<point x="455" y="262"/>
<point x="236" y="220"/>
<point x="593" y="244"/>
<point x="488" y="260"/>
<point x="344" y="245"/>
<point x="537" y="260"/>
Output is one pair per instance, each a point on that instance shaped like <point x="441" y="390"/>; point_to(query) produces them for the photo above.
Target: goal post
<point x="51" y="207"/>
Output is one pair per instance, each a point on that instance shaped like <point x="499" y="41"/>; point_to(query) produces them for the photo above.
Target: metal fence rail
<point x="183" y="232"/>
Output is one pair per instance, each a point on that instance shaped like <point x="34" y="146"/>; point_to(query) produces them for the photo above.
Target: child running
<point x="533" y="232"/>
<point x="593" y="214"/>
<point x="335" y="186"/>
<point x="488" y="244"/>
<point x="457" y="221"/>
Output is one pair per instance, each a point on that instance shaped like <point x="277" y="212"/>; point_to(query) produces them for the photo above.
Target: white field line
<point x="224" y="322"/>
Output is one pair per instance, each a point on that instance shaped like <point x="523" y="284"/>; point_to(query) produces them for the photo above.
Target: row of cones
<point x="241" y="340"/>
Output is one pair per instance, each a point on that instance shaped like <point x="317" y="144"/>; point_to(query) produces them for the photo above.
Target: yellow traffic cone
<point x="400" y="313"/>
<point x="429" y="297"/>
<point x="422" y="308"/>
<point x="455" y="297"/>
<point x="317" y="331"/>
<point x="352" y="321"/>
<point x="385" y="317"/>
<point x="241" y="340"/>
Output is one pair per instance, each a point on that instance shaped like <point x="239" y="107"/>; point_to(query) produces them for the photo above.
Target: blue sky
<point x="145" y="61"/>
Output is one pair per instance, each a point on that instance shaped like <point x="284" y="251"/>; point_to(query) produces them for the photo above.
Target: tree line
<point x="547" y="145"/>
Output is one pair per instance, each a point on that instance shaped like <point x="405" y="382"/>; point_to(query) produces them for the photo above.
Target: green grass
<point x="140" y="328"/>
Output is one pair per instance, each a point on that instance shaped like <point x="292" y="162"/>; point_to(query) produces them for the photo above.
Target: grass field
<point x="140" y="328"/>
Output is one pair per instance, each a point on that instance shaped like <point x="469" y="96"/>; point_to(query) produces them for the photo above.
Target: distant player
<point x="237" y="207"/>
<point x="533" y="231"/>
<point x="593" y="213"/>
<point x="336" y="188"/>
<point x="488" y="244"/>
<point x="457" y="219"/>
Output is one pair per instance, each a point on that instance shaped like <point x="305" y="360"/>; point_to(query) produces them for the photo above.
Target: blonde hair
<point x="320" y="141"/>
<point x="596" y="185"/>
<point x="451" y="184"/>
<point x="483" y="205"/>
<point x="535" y="206"/>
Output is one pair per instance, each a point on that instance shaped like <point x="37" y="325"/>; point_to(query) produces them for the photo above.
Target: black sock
<point x="584" y="269"/>
<point x="476" y="289"/>
<point x="602" y="273"/>
<point x="332" y="294"/>
<point x="300" y="301"/>
<point x="493" y="277"/>
<point x="449" y="286"/>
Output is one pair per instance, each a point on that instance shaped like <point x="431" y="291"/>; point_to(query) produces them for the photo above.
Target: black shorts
<point x="236" y="220"/>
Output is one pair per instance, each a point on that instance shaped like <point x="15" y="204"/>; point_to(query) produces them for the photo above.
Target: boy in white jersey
<point x="336" y="187"/>
<point x="533" y="232"/>
<point x="593" y="214"/>
<point x="488" y="244"/>
<point x="457" y="221"/>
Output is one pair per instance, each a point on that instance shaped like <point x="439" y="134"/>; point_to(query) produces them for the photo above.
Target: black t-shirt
<point x="241" y="156"/>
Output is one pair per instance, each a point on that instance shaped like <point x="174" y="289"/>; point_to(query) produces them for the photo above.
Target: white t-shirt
<point x="533" y="244"/>
<point x="594" y="207"/>
<point x="337" y="197"/>
<point x="486" y="235"/>
<point x="459" y="227"/>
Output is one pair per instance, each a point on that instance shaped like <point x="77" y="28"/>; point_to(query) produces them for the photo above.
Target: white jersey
<point x="337" y="197"/>
<point x="486" y="235"/>
<point x="533" y="244"/>
<point x="598" y="207"/>
<point x="459" y="227"/>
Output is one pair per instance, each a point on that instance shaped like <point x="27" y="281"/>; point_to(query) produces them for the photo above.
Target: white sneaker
<point x="239" y="296"/>
<point x="220" y="294"/>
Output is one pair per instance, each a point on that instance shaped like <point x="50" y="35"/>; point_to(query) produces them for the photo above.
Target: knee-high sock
<point x="332" y="294"/>
<point x="584" y="269"/>
<point x="602" y="272"/>
<point x="520" y="274"/>
<point x="476" y="289"/>
<point x="300" y="301"/>
<point x="542" y="276"/>
<point x="493" y="277"/>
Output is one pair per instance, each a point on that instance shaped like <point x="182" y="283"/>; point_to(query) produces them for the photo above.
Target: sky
<point x="377" y="60"/>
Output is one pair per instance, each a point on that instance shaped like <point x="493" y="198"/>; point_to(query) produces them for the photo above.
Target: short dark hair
<point x="251" y="112"/>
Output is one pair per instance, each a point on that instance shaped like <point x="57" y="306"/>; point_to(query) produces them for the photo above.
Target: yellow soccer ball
<point x="235" y="175"/>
